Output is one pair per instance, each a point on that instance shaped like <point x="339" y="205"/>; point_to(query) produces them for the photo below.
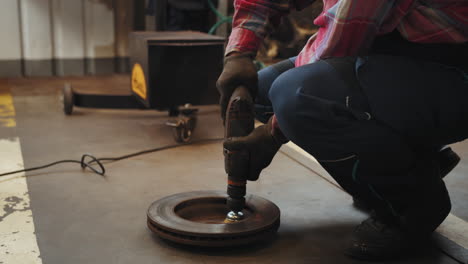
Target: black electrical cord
<point x="89" y="161"/>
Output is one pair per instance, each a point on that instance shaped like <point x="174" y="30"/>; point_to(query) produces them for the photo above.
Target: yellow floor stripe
<point x="7" y="111"/>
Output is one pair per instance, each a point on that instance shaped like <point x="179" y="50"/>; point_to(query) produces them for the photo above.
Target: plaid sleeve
<point x="249" y="25"/>
<point x="348" y="27"/>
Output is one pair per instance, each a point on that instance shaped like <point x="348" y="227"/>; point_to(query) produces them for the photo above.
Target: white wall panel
<point x="99" y="36"/>
<point x="68" y="29"/>
<point x="36" y="29"/>
<point x="99" y="29"/>
<point x="37" y="37"/>
<point x="68" y="37"/>
<point x="10" y="45"/>
<point x="64" y="37"/>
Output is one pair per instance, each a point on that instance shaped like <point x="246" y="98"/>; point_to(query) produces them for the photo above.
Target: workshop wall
<point x="64" y="37"/>
<point x="10" y="46"/>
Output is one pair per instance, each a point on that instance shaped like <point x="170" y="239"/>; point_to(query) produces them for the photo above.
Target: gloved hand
<point x="262" y="145"/>
<point x="239" y="69"/>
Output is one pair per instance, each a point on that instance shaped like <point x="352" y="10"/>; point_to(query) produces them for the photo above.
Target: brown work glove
<point x="239" y="69"/>
<point x="261" y="145"/>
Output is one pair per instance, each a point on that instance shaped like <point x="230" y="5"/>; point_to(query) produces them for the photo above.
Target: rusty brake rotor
<point x="198" y="218"/>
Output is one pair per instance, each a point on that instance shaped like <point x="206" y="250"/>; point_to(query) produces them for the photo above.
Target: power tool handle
<point x="239" y="122"/>
<point x="240" y="117"/>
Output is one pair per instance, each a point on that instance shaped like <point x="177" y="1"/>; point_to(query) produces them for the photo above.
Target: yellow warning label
<point x="138" y="81"/>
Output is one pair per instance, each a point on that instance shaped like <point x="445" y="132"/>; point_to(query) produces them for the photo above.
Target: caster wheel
<point x="68" y="99"/>
<point x="182" y="133"/>
<point x="182" y="128"/>
<point x="183" y="125"/>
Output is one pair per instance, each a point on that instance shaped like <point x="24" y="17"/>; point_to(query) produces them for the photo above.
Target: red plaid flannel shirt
<point x="348" y="27"/>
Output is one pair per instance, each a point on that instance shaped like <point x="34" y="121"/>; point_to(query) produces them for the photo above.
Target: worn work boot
<point x="407" y="215"/>
<point x="448" y="160"/>
<point x="376" y="240"/>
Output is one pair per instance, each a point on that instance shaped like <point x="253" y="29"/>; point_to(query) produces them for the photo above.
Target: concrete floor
<point x="81" y="217"/>
<point x="457" y="182"/>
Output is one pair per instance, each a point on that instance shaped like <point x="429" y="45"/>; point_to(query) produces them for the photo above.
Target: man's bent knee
<point x="302" y="95"/>
<point x="283" y="96"/>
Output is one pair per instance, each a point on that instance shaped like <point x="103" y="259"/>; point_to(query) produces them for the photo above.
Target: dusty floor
<point x="81" y="217"/>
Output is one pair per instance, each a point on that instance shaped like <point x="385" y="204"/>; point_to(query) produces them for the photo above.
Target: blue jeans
<point x="266" y="77"/>
<point x="374" y="123"/>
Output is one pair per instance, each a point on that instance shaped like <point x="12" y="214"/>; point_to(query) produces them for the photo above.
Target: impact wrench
<point x="239" y="122"/>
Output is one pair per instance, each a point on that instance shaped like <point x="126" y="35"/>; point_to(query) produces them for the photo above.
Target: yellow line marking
<point x="7" y="111"/>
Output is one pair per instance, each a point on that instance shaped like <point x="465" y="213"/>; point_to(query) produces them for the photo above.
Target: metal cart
<point x="171" y="71"/>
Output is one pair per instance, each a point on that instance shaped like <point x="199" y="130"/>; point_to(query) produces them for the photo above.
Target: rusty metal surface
<point x="198" y="218"/>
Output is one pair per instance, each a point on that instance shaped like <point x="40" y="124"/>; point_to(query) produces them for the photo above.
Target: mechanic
<point x="374" y="96"/>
